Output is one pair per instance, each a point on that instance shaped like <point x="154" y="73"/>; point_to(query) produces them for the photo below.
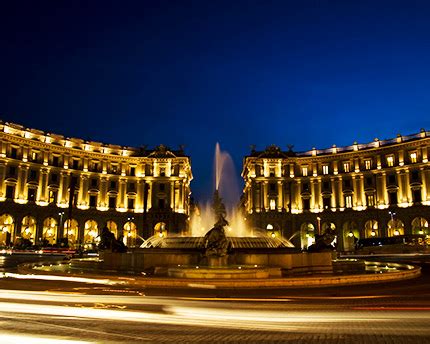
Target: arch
<point x="160" y="229"/>
<point x="113" y="227"/>
<point x="420" y="226"/>
<point x="49" y="231"/>
<point x="71" y="231"/>
<point x="273" y="230"/>
<point x="395" y="227"/>
<point x="6" y="230"/>
<point x="371" y="229"/>
<point x="91" y="232"/>
<point x="28" y="228"/>
<point x="130" y="234"/>
<point x="350" y="235"/>
<point x="307" y="234"/>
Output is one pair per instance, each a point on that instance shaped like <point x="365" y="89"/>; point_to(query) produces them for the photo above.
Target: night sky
<point x="307" y="73"/>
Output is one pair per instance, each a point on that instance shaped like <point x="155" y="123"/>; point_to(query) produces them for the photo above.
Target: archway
<point x="351" y="235"/>
<point x="91" y="232"/>
<point x="28" y="228"/>
<point x="420" y="226"/>
<point x="160" y="229"/>
<point x="395" y="227"/>
<point x="6" y="230"/>
<point x="50" y="230"/>
<point x="113" y="227"/>
<point x="71" y="231"/>
<point x="307" y="234"/>
<point x="130" y="234"/>
<point x="371" y="229"/>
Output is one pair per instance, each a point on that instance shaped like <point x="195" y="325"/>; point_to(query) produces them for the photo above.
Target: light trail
<point x="28" y="339"/>
<point x="60" y="278"/>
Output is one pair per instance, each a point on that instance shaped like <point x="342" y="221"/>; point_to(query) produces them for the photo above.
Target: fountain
<point x="218" y="252"/>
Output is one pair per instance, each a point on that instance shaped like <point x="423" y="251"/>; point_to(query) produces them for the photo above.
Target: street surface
<point x="45" y="311"/>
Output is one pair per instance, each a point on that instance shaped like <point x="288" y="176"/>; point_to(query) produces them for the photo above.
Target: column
<point x="265" y="198"/>
<point x="121" y="193"/>
<point x="42" y="190"/>
<point x="280" y="202"/>
<point x="102" y="200"/>
<point x="22" y="182"/>
<point x="2" y="179"/>
<point x="63" y="194"/>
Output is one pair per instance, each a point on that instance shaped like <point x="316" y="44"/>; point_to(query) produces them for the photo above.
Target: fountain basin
<point x="227" y="272"/>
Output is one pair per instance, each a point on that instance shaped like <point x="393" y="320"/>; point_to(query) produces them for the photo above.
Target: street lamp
<point x="396" y="231"/>
<point x="61" y="224"/>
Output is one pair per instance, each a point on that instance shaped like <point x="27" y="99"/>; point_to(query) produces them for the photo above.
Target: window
<point x="33" y="175"/>
<point x="52" y="196"/>
<point x="367" y="164"/>
<point x="93" y="183"/>
<point x="390" y="161"/>
<point x="10" y="191"/>
<point x="75" y="164"/>
<point x="326" y="202"/>
<point x="326" y="186"/>
<point x="132" y="187"/>
<point x="369" y="181"/>
<point x="413" y="157"/>
<point x="416" y="195"/>
<point x="392" y="198"/>
<point x="271" y="172"/>
<point x="34" y="156"/>
<point x="162" y="172"/>
<point x="392" y="179"/>
<point x="348" y="201"/>
<point x="132" y="171"/>
<point x="54" y="178"/>
<point x="31" y="196"/>
<point x="95" y="166"/>
<point x="112" y="202"/>
<point x="304" y="171"/>
<point x="370" y="200"/>
<point x="130" y="203"/>
<point x="415" y="176"/>
<point x="305" y="187"/>
<point x="306" y="204"/>
<point x="325" y="169"/>
<point x="12" y="171"/>
<point x="93" y="201"/>
<point x="112" y="185"/>
<point x="272" y="187"/>
<point x="55" y="160"/>
<point x="114" y="169"/>
<point x="161" y="187"/>
<point x="346" y="167"/>
<point x="13" y="153"/>
<point x="347" y="183"/>
<point x="161" y="203"/>
<point x="272" y="204"/>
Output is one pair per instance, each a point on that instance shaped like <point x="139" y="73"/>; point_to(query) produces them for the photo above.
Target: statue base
<point x="217" y="261"/>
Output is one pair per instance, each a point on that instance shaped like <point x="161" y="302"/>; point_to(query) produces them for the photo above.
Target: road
<point x="39" y="311"/>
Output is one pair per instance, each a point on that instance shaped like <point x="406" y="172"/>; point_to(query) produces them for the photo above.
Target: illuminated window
<point x="390" y="161"/>
<point x="346" y="167"/>
<point x="34" y="156"/>
<point x="413" y="157"/>
<point x="52" y="196"/>
<point x="272" y="204"/>
<point x="348" y="201"/>
<point x="368" y="164"/>
<point x="370" y="200"/>
<point x="325" y="169"/>
<point x="304" y="171"/>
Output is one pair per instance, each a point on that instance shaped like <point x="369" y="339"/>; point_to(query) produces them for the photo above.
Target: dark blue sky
<point x="308" y="73"/>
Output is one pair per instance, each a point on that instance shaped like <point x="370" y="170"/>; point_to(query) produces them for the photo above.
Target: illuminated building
<point x="379" y="189"/>
<point x="134" y="191"/>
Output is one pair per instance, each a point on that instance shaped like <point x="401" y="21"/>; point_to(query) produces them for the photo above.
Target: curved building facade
<point x="380" y="189"/>
<point x="53" y="187"/>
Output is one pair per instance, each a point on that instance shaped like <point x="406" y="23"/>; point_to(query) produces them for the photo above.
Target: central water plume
<point x="227" y="185"/>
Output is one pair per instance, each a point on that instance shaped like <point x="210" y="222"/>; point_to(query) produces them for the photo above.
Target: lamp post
<point x="319" y="225"/>
<point x="392" y="214"/>
<point x="60" y="225"/>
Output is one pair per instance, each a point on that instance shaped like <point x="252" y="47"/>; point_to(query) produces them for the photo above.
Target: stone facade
<point x="52" y="187"/>
<point x="378" y="189"/>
